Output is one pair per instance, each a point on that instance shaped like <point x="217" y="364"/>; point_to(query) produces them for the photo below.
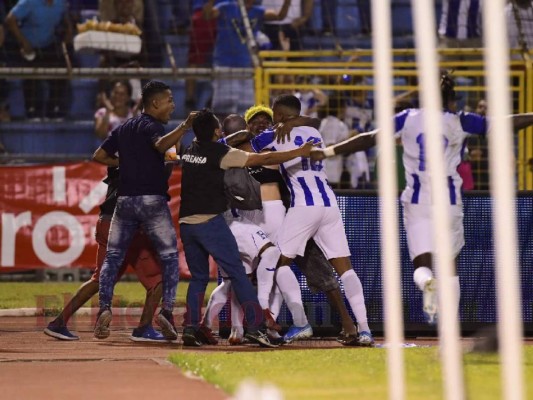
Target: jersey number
<point x="422" y="151"/>
<point x="298" y="141"/>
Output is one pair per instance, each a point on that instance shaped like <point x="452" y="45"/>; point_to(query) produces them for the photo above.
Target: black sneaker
<point x="260" y="338"/>
<point x="348" y="340"/>
<point x="206" y="335"/>
<point x="190" y="338"/>
<point x="165" y="320"/>
<point x="101" y="328"/>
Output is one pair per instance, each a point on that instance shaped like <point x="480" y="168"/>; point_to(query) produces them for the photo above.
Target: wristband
<point x="329" y="151"/>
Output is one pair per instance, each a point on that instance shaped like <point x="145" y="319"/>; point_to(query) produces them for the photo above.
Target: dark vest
<point x="202" y="182"/>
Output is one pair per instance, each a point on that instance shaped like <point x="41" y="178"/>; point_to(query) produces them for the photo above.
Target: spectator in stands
<point x="289" y="29"/>
<point x="460" y="24"/>
<point x="233" y="95"/>
<point x="122" y="12"/>
<point x="201" y="44"/>
<point x="34" y="23"/>
<point x="520" y="24"/>
<point x="311" y="99"/>
<point x="333" y="130"/>
<point x="479" y="154"/>
<point x="117" y="109"/>
<point x="329" y="16"/>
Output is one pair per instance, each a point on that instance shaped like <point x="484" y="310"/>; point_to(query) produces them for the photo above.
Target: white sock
<point x="265" y="274"/>
<point x="354" y="293"/>
<point x="421" y="276"/>
<point x="290" y="288"/>
<point x="218" y="299"/>
<point x="237" y="315"/>
<point x="276" y="301"/>
<point x="456" y="290"/>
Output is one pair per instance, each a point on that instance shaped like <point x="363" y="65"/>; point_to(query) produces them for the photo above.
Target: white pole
<point x="388" y="192"/>
<point x="503" y="189"/>
<point x="425" y="36"/>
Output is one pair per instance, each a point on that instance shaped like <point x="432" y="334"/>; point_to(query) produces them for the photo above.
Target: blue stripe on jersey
<point x="261" y="141"/>
<point x="308" y="195"/>
<point x="399" y="120"/>
<point x="222" y="140"/>
<point x="451" y="187"/>
<point x="322" y="191"/>
<point x="416" y="189"/>
<point x="287" y="182"/>
<point x="472" y="28"/>
<point x="453" y="18"/>
<point x="473" y="124"/>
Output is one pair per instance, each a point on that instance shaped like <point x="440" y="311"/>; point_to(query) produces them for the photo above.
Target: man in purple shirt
<point x="141" y="144"/>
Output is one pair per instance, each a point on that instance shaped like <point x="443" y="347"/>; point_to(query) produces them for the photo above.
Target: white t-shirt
<point x="114" y="119"/>
<point x="295" y="10"/>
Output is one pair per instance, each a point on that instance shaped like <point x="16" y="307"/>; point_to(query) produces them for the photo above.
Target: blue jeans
<point x="215" y="238"/>
<point x="151" y="212"/>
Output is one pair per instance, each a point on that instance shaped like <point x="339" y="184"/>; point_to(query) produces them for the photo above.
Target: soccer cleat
<point x="365" y="339"/>
<point x="101" y="328"/>
<point x="348" y="340"/>
<point x="59" y="332"/>
<point x="190" y="338"/>
<point x="147" y="334"/>
<point x="206" y="336"/>
<point x="165" y="320"/>
<point x="297" y="333"/>
<point x="270" y="322"/>
<point x="430" y="301"/>
<point x="236" y="338"/>
<point x="275" y="337"/>
<point x="260" y="338"/>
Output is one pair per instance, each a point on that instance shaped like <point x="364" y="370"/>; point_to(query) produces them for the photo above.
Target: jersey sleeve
<point x="399" y="122"/>
<point x="263" y="141"/>
<point x="110" y="144"/>
<point x="473" y="124"/>
<point x="22" y="9"/>
<point x="154" y="131"/>
<point x="234" y="158"/>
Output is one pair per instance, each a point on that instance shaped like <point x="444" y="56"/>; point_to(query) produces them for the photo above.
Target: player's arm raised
<point x="283" y="129"/>
<point x="521" y="121"/>
<point x="361" y="142"/>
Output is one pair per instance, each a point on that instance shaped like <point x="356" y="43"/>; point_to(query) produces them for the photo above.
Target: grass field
<point x="348" y="373"/>
<point x="52" y="295"/>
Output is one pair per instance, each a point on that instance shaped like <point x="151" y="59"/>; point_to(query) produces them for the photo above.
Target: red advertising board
<point x="49" y="213"/>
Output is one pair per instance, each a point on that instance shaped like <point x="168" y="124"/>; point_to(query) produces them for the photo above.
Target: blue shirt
<point x="199" y="4"/>
<point x="230" y="46"/>
<point x="38" y="21"/>
<point x="142" y="167"/>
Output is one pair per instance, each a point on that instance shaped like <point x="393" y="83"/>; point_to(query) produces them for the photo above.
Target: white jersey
<point x="333" y="131"/>
<point x="307" y="182"/>
<point x="457" y="127"/>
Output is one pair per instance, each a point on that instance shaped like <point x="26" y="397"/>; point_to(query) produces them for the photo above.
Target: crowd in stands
<point x="212" y="34"/>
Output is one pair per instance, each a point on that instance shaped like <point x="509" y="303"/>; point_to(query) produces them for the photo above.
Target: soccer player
<point x="415" y="198"/>
<point x="313" y="211"/>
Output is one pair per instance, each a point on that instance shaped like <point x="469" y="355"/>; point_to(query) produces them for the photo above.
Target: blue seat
<point x="83" y="98"/>
<point x="15" y="99"/>
<point x="69" y="137"/>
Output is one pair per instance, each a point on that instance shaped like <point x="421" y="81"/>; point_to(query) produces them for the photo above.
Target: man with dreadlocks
<point x="416" y="196"/>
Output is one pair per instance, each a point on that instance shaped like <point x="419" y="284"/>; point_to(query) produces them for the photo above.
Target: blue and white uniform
<point x="313" y="208"/>
<point x="416" y="196"/>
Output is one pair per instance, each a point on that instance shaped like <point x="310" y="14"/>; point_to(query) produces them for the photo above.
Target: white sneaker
<point x="430" y="305"/>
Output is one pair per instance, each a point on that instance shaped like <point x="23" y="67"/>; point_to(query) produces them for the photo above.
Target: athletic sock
<point x="290" y="288"/>
<point x="354" y="293"/>
<point x="237" y="315"/>
<point x="276" y="301"/>
<point x="421" y="276"/>
<point x="265" y="274"/>
<point x="217" y="300"/>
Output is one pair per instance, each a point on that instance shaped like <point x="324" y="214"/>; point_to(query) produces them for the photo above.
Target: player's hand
<point x="317" y="155"/>
<point x="305" y="149"/>
<point x="283" y="131"/>
<point x="188" y="122"/>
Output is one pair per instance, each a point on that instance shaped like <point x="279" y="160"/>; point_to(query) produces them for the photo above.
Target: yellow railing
<point x="287" y="71"/>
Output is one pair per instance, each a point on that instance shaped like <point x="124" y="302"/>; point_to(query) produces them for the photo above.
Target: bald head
<point x="233" y="123"/>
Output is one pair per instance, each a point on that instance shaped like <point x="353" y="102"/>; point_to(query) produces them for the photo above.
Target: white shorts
<point x="250" y="239"/>
<point x="269" y="219"/>
<point x="323" y="224"/>
<point x="418" y="223"/>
